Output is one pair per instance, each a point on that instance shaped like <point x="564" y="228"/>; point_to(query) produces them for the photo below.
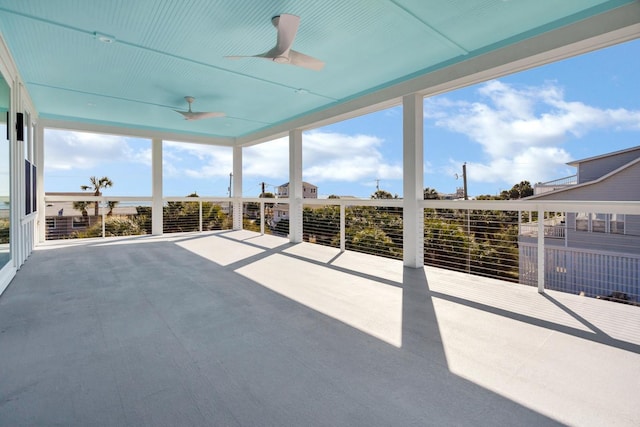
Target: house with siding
<point x="591" y="253"/>
<point x="63" y="219"/>
<point x="281" y="211"/>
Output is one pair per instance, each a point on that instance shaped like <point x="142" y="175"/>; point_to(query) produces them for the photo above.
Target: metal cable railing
<point x="479" y="242"/>
<point x="77" y="219"/>
<point x="181" y="215"/>
<point x="263" y="214"/>
<point x="321" y="225"/>
<point x="585" y="251"/>
<point x="375" y="230"/>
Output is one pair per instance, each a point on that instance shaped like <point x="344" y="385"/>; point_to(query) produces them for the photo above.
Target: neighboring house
<point x="280" y="211"/>
<point x="309" y="191"/>
<point x="595" y="253"/>
<point x="63" y="220"/>
<point x="458" y="195"/>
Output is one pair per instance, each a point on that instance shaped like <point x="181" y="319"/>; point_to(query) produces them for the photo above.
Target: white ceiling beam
<point x="133" y="132"/>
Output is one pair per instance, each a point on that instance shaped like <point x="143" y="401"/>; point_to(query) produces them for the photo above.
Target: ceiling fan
<point x="287" y="27"/>
<point x="193" y="115"/>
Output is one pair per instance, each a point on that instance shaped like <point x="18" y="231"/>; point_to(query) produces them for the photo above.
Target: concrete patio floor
<point x="239" y="329"/>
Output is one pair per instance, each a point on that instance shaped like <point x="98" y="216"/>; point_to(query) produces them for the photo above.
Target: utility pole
<point x="262" y="194"/>
<point x="464" y="180"/>
<point x="230" y="177"/>
<point x="377" y="184"/>
<point x="466" y="197"/>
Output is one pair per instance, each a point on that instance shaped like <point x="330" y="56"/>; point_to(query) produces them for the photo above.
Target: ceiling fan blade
<point x="192" y="115"/>
<point x="270" y="54"/>
<point x="281" y="53"/>
<point x="305" y="61"/>
<point x="287" y="26"/>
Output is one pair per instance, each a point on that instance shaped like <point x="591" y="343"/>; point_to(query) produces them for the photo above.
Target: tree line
<point x="476" y="241"/>
<point x="177" y="216"/>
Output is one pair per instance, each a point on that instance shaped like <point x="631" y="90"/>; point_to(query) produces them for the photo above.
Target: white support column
<point x="156" y="187"/>
<point x="295" y="186"/>
<point x="262" y="217"/>
<point x="413" y="214"/>
<point x="42" y="226"/>
<point x="343" y="233"/>
<point x="237" y="187"/>
<point x="104" y="222"/>
<point x="541" y="251"/>
<point x="17" y="240"/>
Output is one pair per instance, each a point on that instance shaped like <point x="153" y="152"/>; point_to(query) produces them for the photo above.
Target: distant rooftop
<point x="602" y="156"/>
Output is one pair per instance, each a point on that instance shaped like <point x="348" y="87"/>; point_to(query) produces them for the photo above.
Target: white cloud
<point x="529" y="163"/>
<point x="269" y="160"/>
<point x="327" y="156"/>
<point x="522" y="129"/>
<point x="197" y="161"/>
<point x="78" y="150"/>
<point x="350" y="158"/>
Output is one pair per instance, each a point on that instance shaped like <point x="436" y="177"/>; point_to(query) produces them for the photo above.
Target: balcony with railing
<point x="556" y="184"/>
<point x="554" y="226"/>
<point x="281" y="331"/>
<point x="478" y="238"/>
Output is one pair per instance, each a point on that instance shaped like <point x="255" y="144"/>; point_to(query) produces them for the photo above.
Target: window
<point x="30" y="188"/>
<point x="582" y="221"/>
<point x="600" y="222"/>
<point x="617" y="224"/>
<point x="51" y="223"/>
<point x="79" y="222"/>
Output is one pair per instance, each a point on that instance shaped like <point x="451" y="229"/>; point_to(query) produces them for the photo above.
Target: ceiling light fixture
<point x="104" y="38"/>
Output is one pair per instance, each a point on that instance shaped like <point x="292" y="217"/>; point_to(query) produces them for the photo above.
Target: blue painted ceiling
<point x="163" y="50"/>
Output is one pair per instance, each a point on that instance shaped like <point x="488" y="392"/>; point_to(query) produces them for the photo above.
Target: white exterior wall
<point x="23" y="231"/>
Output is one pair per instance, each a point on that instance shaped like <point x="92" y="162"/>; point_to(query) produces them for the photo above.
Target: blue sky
<point x="526" y="126"/>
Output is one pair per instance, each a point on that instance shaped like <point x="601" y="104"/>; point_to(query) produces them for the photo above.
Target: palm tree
<point x="111" y="204"/>
<point x="82" y="207"/>
<point x="96" y="186"/>
<point x="430" y="194"/>
<point x="382" y="194"/>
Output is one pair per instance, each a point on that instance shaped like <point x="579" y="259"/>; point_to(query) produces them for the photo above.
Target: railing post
<point x="343" y="238"/>
<point x="469" y="240"/>
<point x="200" y="215"/>
<point x="262" y="217"/>
<point x="541" y="250"/>
<point x="104" y="234"/>
<point x="565" y="231"/>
